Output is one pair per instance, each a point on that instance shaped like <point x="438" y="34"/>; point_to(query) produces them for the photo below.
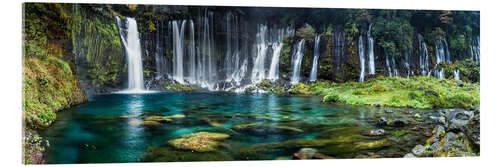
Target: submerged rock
<point x="265" y="129"/>
<point x="305" y="153"/>
<point x="144" y="123"/>
<point x="199" y="142"/>
<point x="378" y="132"/>
<point x="169" y="154"/>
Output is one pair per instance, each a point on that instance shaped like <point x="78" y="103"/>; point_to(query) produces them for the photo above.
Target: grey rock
<point x="409" y="155"/>
<point x="418" y="150"/>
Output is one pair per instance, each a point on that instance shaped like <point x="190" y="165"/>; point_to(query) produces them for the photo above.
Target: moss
<point x="400" y="133"/>
<point x="406" y="92"/>
<point x="315" y="88"/>
<point x="48" y="87"/>
<point x="169" y="154"/>
<point x="199" y="142"/>
<point x="265" y="129"/>
<point x="177" y="87"/>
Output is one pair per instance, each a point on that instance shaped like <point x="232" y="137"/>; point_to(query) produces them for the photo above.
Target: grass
<point x="415" y="92"/>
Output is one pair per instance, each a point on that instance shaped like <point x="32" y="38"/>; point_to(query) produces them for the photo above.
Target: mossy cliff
<point x="97" y="48"/>
<point x="50" y="83"/>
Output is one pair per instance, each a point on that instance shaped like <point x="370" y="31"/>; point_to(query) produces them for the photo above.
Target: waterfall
<point x="178" y="45"/>
<point x="361" y="52"/>
<point x="388" y="63"/>
<point x="297" y="62"/>
<point x="407" y="63"/>
<point x="314" y="70"/>
<point x="456" y="74"/>
<point x="206" y="73"/>
<point x="338" y="47"/>
<point x="132" y="45"/>
<point x="234" y="69"/>
<point x="423" y="56"/>
<point x="276" y="46"/>
<point x="192" y="54"/>
<point x="160" y="58"/>
<point x="371" y="56"/>
<point x="442" y="55"/>
<point x="261" y="46"/>
<point x="474" y="49"/>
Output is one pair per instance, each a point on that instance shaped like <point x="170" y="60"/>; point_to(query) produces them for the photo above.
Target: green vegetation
<point x="314" y="88"/>
<point x="199" y="142"/>
<point x="415" y="92"/>
<point x="177" y="87"/>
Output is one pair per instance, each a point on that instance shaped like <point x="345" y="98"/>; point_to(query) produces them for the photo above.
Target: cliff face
<point x="97" y="49"/>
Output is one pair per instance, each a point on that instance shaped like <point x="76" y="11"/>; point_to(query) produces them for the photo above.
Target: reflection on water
<point x="111" y="128"/>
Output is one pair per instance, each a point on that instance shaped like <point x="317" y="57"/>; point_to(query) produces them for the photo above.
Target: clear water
<point x="94" y="132"/>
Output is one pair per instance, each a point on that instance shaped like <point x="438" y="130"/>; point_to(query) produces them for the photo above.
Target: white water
<point x="474" y="49"/>
<point x="314" y="70"/>
<point x="132" y="47"/>
<point x="371" y="56"/>
<point x="297" y="62"/>
<point x="423" y="56"/>
<point x="192" y="54"/>
<point x="361" y="53"/>
<point x="178" y="49"/>
<point x="261" y="46"/>
<point x="442" y="55"/>
<point x="276" y="45"/>
<point x="456" y="74"/>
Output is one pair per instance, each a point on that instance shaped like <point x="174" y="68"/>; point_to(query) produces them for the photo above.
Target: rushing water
<point x="102" y="130"/>
<point x="297" y="62"/>
<point x="130" y="39"/>
<point x="314" y="70"/>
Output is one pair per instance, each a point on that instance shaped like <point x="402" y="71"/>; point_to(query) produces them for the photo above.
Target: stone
<point x="430" y="92"/>
<point x="382" y="121"/>
<point x="265" y="129"/>
<point x="409" y="155"/>
<point x="199" y="142"/>
<point x="378" y="132"/>
<point x="457" y="119"/>
<point x="398" y="123"/>
<point x="388" y="111"/>
<point x="418" y="150"/>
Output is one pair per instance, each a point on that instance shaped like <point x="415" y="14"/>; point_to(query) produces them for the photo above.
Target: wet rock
<point x="418" y="150"/>
<point x="382" y="121"/>
<point x="430" y="92"/>
<point x="472" y="130"/>
<point x="459" y="83"/>
<point x="372" y="145"/>
<point x="409" y="155"/>
<point x="378" y="132"/>
<point x="265" y="129"/>
<point x="457" y="119"/>
<point x="144" y="123"/>
<point x="321" y="156"/>
<point x="388" y="111"/>
<point x="169" y="154"/>
<point x="305" y="153"/>
<point x="199" y="142"/>
<point x="398" y="123"/>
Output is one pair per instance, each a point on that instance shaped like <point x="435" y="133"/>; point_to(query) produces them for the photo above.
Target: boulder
<point x="409" y="155"/>
<point x="199" y="142"/>
<point x="305" y="153"/>
<point x="265" y="129"/>
<point x="378" y="132"/>
<point x="418" y="150"/>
